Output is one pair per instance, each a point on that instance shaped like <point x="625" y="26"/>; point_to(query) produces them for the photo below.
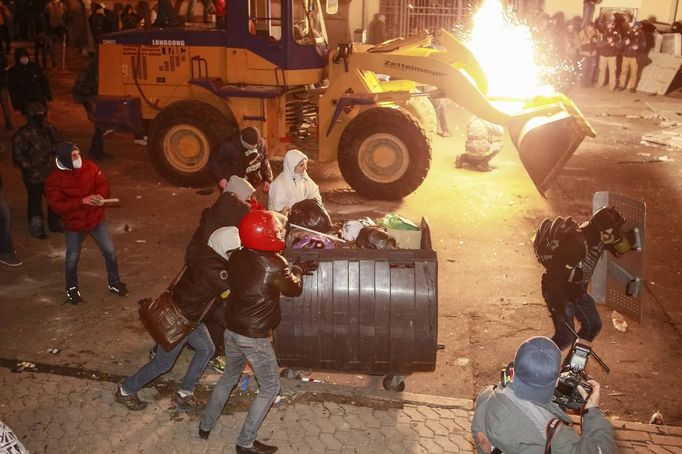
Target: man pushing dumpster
<point x="258" y="274"/>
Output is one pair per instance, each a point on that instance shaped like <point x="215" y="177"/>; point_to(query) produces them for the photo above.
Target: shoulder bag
<point x="164" y="321"/>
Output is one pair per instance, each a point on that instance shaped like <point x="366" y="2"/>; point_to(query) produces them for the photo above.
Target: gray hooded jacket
<point x="515" y="426"/>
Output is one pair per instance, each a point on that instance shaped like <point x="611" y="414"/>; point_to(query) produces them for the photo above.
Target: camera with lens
<point x="572" y="391"/>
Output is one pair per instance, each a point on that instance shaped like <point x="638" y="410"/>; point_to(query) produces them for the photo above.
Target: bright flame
<point x="506" y="53"/>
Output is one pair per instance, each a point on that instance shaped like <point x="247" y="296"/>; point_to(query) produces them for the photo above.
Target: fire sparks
<point x="506" y="53"/>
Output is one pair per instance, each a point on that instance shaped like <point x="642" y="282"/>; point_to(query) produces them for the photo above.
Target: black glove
<point x="304" y="267"/>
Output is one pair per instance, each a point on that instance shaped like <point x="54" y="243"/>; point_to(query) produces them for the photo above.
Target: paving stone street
<point x="53" y="413"/>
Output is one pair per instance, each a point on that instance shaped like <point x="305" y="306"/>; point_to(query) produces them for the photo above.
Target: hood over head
<point x="291" y="160"/>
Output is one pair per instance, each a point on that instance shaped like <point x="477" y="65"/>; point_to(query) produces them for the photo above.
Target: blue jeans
<point x="6" y="246"/>
<point x="163" y="361"/>
<point x="581" y="307"/>
<point x="73" y="252"/>
<point x="259" y="352"/>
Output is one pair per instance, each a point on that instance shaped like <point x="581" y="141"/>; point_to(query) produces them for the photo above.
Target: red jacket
<point x="65" y="190"/>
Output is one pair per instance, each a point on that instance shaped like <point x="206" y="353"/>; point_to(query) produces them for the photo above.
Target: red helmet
<point x="262" y="231"/>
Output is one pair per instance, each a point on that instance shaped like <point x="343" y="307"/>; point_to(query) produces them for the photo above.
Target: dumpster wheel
<point x="290" y="373"/>
<point x="394" y="383"/>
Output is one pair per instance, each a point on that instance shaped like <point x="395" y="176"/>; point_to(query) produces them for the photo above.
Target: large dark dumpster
<point x="363" y="311"/>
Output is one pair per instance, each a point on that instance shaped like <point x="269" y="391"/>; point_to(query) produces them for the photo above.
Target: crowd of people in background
<point x="611" y="50"/>
<point x="79" y="23"/>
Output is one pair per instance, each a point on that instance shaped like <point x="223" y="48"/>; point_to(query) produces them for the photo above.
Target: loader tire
<point x="182" y="137"/>
<point x="422" y="108"/>
<point x="384" y="154"/>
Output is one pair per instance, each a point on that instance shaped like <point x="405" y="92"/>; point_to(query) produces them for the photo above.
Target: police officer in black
<point x="570" y="252"/>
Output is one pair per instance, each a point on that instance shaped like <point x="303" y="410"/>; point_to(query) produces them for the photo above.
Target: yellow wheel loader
<point x="193" y="87"/>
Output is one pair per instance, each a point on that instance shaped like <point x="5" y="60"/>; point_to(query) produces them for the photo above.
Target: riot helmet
<point x="261" y="230"/>
<point x="607" y="222"/>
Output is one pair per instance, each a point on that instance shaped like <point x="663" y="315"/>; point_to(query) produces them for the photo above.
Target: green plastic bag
<point x="398" y="222"/>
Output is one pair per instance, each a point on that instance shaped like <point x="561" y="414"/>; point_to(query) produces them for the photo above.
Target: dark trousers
<point x="97" y="143"/>
<point x="34" y="196"/>
<point x="589" y="65"/>
<point x="564" y="307"/>
<point x="6" y="246"/>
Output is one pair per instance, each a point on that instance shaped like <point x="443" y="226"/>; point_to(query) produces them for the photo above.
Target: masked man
<point x="570" y="252"/>
<point x="245" y="157"/>
<point x="33" y="151"/>
<point x="76" y="190"/>
<point x="26" y="82"/>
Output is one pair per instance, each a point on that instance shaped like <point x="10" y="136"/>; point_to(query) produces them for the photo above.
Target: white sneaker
<point x="142" y="141"/>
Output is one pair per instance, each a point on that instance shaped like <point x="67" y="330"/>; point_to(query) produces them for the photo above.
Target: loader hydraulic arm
<point x="546" y="130"/>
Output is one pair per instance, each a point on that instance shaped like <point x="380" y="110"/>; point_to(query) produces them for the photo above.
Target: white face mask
<point x="77" y="163"/>
<point x="23" y="60"/>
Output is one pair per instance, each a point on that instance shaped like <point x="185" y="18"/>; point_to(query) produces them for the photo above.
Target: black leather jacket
<point x="256" y="281"/>
<point x="233" y="159"/>
<point x="204" y="279"/>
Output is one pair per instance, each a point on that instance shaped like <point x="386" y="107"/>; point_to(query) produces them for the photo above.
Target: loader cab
<point x="288" y="33"/>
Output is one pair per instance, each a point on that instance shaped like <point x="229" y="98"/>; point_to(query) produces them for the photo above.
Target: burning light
<point x="506" y="52"/>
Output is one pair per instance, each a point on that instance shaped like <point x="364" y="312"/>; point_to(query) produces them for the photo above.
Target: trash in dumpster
<point x="375" y="237"/>
<point x="311" y="214"/>
<point x="351" y="229"/>
<point x="398" y="222"/>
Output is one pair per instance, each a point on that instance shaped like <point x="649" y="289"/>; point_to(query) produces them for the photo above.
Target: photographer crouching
<point x="521" y="416"/>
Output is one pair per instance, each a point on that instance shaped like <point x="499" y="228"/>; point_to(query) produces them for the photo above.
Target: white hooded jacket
<point x="289" y="187"/>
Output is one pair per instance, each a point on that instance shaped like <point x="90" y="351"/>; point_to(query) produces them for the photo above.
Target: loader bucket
<point x="545" y="143"/>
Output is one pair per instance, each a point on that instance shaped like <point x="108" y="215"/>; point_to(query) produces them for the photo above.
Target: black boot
<point x="36" y="227"/>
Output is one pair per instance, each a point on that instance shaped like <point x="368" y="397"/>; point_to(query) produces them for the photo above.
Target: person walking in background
<point x="201" y="281"/>
<point x="76" y="23"/>
<point x="83" y="90"/>
<point x="76" y="190"/>
<point x="43" y="43"/>
<point x="99" y="25"/>
<point x="144" y="13"/>
<point x="633" y="50"/>
<point x="258" y="274"/>
<point x="27" y="83"/>
<point x="129" y="18"/>
<point x="609" y="47"/>
<point x="33" y="148"/>
<point x="4" y="93"/>
<point x="55" y="11"/>
<point x="589" y="43"/>
<point x="376" y="31"/>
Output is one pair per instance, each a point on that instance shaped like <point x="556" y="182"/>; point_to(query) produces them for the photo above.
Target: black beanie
<point x="251" y="135"/>
<point x="64" y="150"/>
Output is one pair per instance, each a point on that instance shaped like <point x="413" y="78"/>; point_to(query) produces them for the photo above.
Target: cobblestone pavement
<point x="60" y="414"/>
